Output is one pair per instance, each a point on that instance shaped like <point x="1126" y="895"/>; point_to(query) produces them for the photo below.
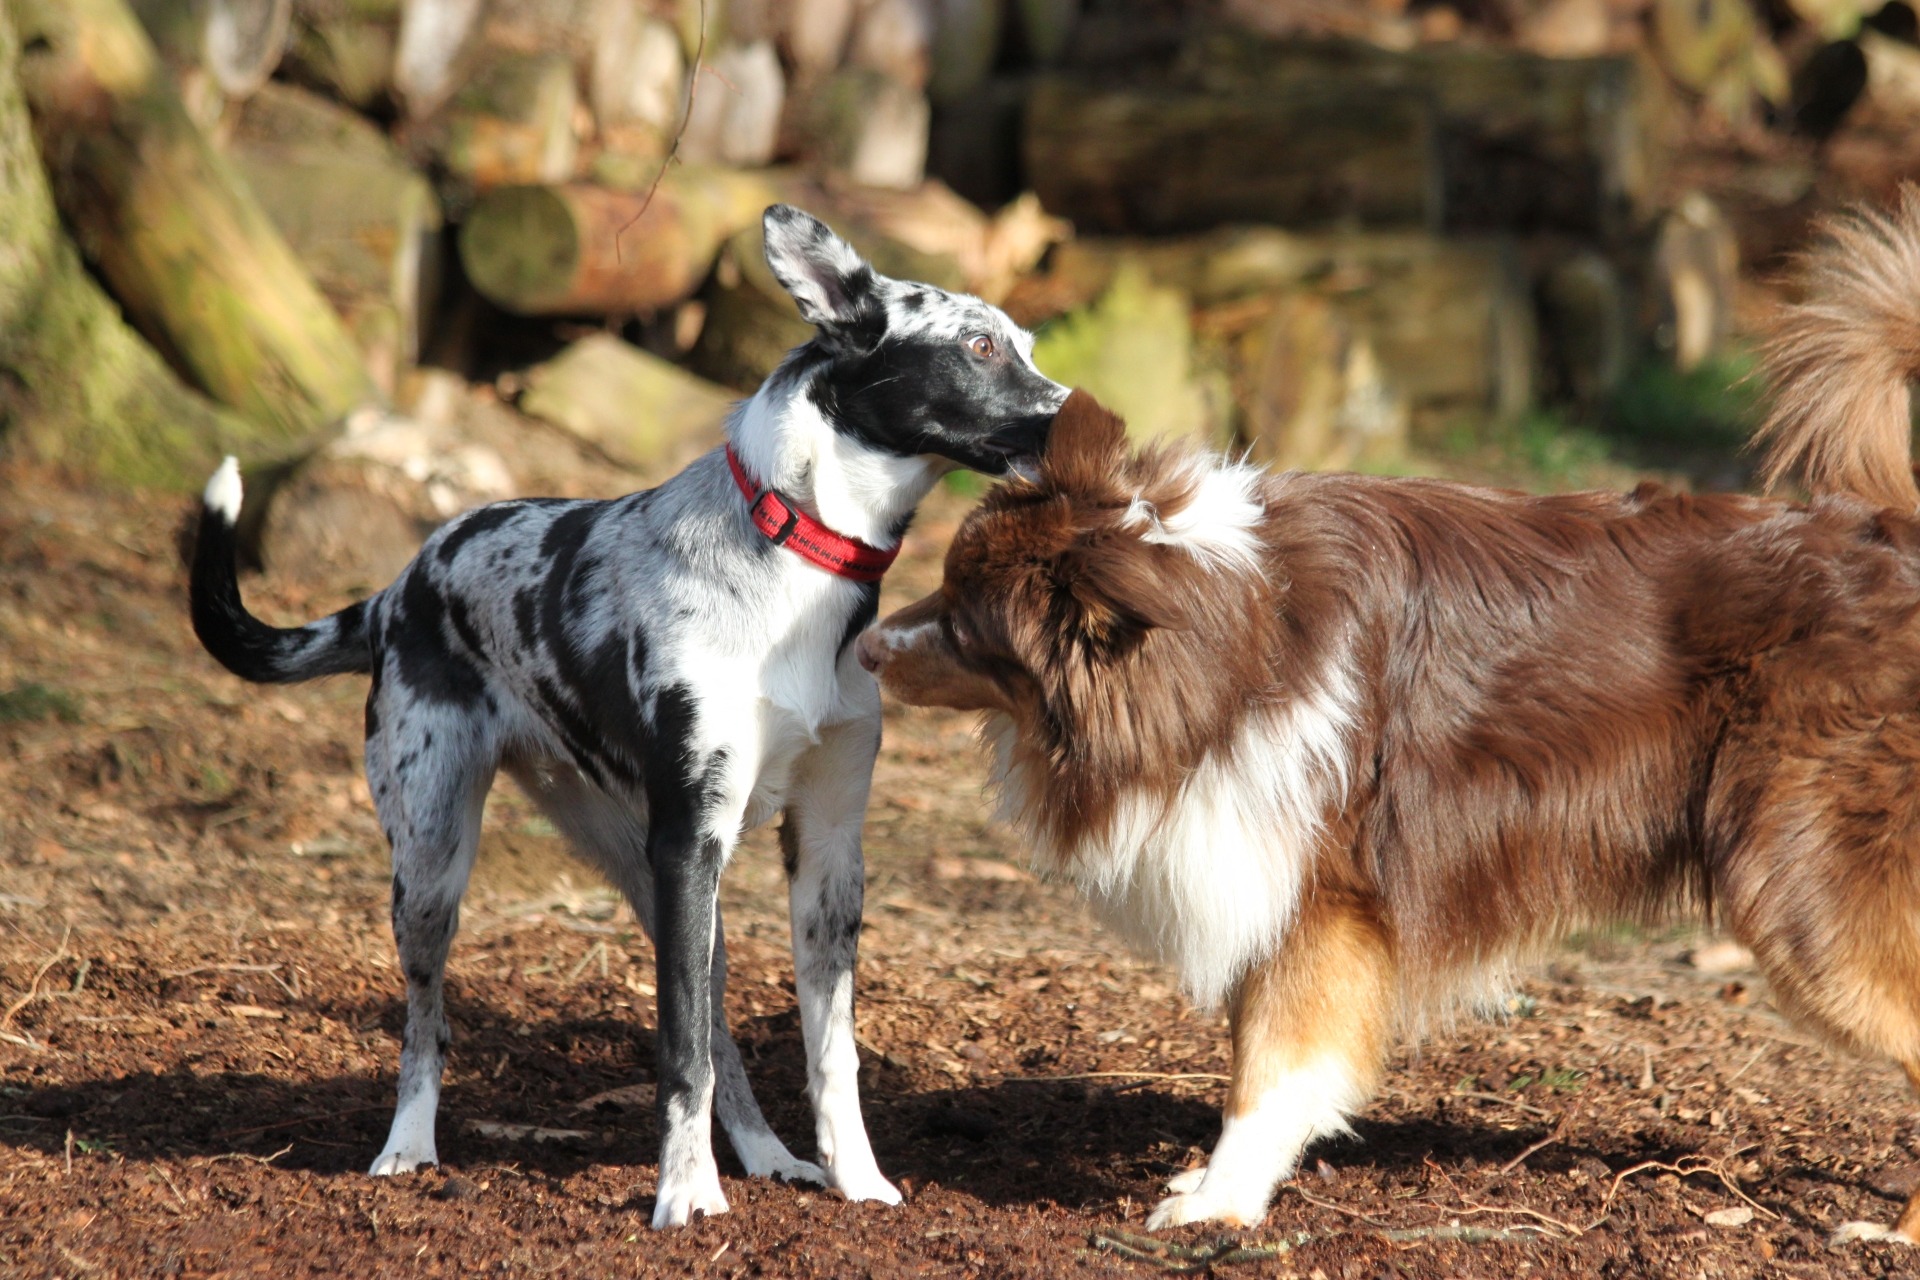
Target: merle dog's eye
<point x="981" y="344"/>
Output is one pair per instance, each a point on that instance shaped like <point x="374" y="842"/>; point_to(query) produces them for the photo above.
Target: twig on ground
<point x="1515" y="1103"/>
<point x="1181" y="1259"/>
<point x="1559" y="1127"/>
<point x="1686" y="1168"/>
<point x="1337" y="1208"/>
<point x="1464" y="1235"/>
<point x="241" y="1155"/>
<point x="33" y="988"/>
<point x="1757" y="1055"/>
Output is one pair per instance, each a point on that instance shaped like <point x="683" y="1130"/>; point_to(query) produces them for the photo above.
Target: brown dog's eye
<point x="962" y="638"/>
<point x="981" y="345"/>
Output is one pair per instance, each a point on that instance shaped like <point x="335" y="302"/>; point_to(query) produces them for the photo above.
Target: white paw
<point x="390" y="1162"/>
<point x="1182" y="1183"/>
<point x="788" y="1168"/>
<point x="676" y="1205"/>
<point x="1202" y="1205"/>
<point x="1849" y="1232"/>
<point x="865" y="1185"/>
<point x="765" y="1156"/>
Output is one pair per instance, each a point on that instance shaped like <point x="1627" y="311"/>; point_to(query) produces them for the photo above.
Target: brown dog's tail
<point x="1841" y="361"/>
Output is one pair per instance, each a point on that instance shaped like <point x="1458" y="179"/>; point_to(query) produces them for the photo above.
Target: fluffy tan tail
<point x="1840" y="361"/>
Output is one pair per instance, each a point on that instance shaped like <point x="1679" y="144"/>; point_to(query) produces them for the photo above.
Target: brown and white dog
<point x="1343" y="748"/>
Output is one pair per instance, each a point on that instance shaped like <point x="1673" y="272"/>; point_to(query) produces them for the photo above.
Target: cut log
<point x="1167" y="160"/>
<point x="1309" y="386"/>
<point x="186" y="248"/>
<point x="434" y="37"/>
<point x="638" y="75"/>
<point x="577" y="250"/>
<point x="865" y="127"/>
<point x="512" y="122"/>
<point x="78" y="387"/>
<point x="895" y="38"/>
<point x="346" y="48"/>
<point x="1526" y="141"/>
<point x="815" y="36"/>
<point x="1133" y="348"/>
<point x="363" y="222"/>
<point x="638" y="409"/>
<point x="1451" y="321"/>
<point x="735" y="115"/>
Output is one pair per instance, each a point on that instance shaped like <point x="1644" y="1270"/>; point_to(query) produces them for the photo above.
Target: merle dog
<point x="665" y="671"/>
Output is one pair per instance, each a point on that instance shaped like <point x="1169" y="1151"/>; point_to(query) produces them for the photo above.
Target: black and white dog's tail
<point x="240" y="642"/>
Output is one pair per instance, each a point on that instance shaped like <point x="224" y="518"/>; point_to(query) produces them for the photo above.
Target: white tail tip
<point x="223" y="490"/>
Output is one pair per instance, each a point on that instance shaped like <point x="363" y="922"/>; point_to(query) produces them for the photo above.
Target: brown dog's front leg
<point x="1310" y="1029"/>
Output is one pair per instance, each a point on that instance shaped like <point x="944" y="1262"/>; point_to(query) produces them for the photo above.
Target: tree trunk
<point x="78" y="388"/>
<point x="176" y="234"/>
<point x="361" y="220"/>
<point x="577" y="250"/>
<point x="1159" y="160"/>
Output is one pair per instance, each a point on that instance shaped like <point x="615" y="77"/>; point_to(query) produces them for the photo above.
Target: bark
<point x="1159" y="160"/>
<point x="1524" y="141"/>
<point x="173" y="230"/>
<point x="78" y="388"/>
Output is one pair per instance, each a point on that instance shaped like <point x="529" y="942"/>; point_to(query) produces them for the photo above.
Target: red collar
<point x="786" y="525"/>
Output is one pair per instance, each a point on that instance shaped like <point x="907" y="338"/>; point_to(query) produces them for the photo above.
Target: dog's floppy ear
<point x="1122" y="589"/>
<point x="1085" y="446"/>
<point x="833" y="286"/>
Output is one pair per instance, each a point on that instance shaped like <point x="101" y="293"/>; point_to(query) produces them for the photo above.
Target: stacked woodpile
<point x="1304" y="226"/>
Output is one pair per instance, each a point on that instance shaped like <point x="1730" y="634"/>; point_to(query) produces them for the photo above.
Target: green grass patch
<point x="33" y="702"/>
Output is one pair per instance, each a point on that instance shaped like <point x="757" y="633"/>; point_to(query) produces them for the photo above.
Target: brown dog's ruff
<point x="1342" y="748"/>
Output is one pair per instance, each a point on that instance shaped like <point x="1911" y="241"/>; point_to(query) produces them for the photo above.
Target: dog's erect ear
<point x="833" y="285"/>
<point x="1122" y="589"/>
<point x="1085" y="446"/>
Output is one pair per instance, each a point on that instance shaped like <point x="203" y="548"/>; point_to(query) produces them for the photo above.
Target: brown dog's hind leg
<point x="1310" y="1028"/>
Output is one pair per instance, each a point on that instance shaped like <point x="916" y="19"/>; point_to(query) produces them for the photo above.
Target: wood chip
<point x="1736" y="1216"/>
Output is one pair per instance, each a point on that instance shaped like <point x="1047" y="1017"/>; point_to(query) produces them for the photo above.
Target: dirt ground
<point x="199" y="1020"/>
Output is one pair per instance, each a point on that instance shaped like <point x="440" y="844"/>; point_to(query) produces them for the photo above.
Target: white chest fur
<point x="1208" y="881"/>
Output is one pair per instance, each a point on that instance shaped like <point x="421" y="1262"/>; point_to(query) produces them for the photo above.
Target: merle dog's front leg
<point x="820" y="839"/>
<point x="686" y="885"/>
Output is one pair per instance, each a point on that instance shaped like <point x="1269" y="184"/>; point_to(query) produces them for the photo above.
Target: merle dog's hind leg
<point x="753" y="1139"/>
<point x="430" y="789"/>
<point x="820" y="837"/>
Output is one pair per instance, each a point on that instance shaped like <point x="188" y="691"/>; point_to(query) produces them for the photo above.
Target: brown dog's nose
<point x="870" y="651"/>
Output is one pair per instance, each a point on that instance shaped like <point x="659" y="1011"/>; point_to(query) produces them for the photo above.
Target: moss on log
<point x="175" y="233"/>
<point x="78" y="388"/>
